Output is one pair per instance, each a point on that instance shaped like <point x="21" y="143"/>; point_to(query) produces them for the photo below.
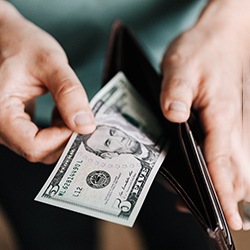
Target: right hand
<point x="31" y="64"/>
<point x="204" y="69"/>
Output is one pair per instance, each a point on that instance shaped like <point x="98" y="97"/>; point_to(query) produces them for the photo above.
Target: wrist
<point x="229" y="17"/>
<point x="231" y="11"/>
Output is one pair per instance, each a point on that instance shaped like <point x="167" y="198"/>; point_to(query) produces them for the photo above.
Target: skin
<point x="39" y="65"/>
<point x="202" y="68"/>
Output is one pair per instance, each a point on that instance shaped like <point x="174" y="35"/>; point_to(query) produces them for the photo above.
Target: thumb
<point x="177" y="92"/>
<point x="70" y="98"/>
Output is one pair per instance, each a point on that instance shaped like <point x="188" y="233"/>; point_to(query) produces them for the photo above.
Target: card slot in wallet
<point x="184" y="167"/>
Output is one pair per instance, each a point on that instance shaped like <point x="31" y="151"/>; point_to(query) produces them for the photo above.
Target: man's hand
<point x="203" y="68"/>
<point x="31" y="64"/>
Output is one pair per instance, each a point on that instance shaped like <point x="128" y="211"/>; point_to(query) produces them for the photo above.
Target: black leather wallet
<point x="184" y="167"/>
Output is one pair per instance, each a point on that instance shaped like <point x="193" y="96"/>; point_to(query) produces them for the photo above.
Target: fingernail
<point x="178" y="106"/>
<point x="84" y="118"/>
<point x="238" y="221"/>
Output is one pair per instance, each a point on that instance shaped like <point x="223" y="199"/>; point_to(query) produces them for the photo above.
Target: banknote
<point x="107" y="174"/>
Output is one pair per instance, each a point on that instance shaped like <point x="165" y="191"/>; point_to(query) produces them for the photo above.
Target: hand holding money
<point x="108" y="173"/>
<point x="31" y="64"/>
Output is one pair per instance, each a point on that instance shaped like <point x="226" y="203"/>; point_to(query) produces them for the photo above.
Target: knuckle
<point x="48" y="58"/>
<point x="174" y="59"/>
<point x="67" y="87"/>
<point x="219" y="168"/>
<point x="177" y="87"/>
<point x="178" y="54"/>
<point x="179" y="83"/>
<point x="31" y="157"/>
<point x="222" y="161"/>
<point x="216" y="117"/>
<point x="31" y="153"/>
<point x="222" y="112"/>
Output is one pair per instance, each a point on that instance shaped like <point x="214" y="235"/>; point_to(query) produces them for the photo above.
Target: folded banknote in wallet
<point x="184" y="166"/>
<point x="108" y="173"/>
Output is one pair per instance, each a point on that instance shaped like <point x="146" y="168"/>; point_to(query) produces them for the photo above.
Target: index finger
<point x="219" y="126"/>
<point x="20" y="134"/>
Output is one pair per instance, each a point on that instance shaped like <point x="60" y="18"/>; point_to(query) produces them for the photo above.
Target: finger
<point x="21" y="135"/>
<point x="179" y="87"/>
<point x="224" y="186"/>
<point x="220" y="168"/>
<point x="243" y="171"/>
<point x="54" y="156"/>
<point x="70" y="97"/>
<point x="218" y="150"/>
